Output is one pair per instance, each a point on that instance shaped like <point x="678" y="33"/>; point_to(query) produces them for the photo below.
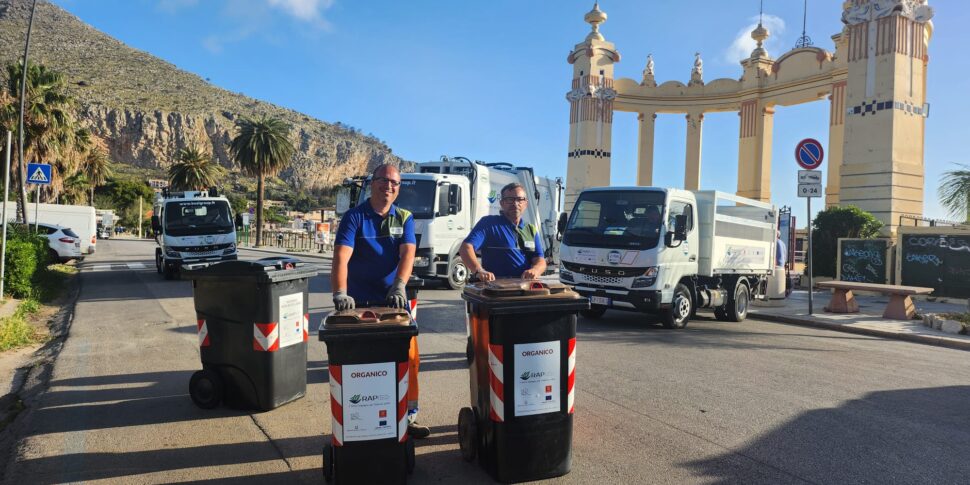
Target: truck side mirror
<point x="454" y="199"/>
<point x="156" y="225"/>
<point x="561" y="224"/>
<point x="680" y="227"/>
<point x="444" y="192"/>
<point x="343" y="200"/>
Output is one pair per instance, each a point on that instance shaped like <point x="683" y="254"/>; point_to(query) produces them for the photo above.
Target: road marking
<point x="137" y="266"/>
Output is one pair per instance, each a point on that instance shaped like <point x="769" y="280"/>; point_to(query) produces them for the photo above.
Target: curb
<point x="287" y="253"/>
<point x="920" y="339"/>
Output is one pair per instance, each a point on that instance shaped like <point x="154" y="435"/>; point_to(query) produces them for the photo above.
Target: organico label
<point x="370" y="409"/>
<point x="291" y="319"/>
<point x="537" y="378"/>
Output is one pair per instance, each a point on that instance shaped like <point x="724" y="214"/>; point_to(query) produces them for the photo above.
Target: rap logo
<point x="492" y="197"/>
<point x="355" y="398"/>
<point x="531" y="375"/>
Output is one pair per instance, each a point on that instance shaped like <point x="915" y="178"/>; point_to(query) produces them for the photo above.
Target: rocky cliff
<point x="143" y="109"/>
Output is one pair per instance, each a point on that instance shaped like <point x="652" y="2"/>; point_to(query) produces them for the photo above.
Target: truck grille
<point x="604" y="280"/>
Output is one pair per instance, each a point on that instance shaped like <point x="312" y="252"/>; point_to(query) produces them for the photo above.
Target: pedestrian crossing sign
<point x="39" y="173"/>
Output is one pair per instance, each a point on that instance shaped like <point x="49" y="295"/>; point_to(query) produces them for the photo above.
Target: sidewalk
<point x="328" y="255"/>
<point x="868" y="321"/>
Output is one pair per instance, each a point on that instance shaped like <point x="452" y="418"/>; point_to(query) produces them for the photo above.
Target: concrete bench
<point x="900" y="306"/>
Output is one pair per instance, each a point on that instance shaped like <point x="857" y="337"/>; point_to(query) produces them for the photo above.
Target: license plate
<point x="599" y="300"/>
<point x="77" y="244"/>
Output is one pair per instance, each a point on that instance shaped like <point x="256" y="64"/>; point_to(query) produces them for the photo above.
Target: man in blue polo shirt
<point x="372" y="259"/>
<point x="510" y="247"/>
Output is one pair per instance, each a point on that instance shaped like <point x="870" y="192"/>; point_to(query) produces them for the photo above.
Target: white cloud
<point x="306" y="10"/>
<point x="743" y="44"/>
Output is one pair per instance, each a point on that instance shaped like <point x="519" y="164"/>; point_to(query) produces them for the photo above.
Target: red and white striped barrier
<point x="306" y="327"/>
<point x="571" y="380"/>
<point x="402" y="402"/>
<point x="336" y="408"/>
<point x="496" y="386"/>
<point x="203" y="333"/>
<point x="266" y="337"/>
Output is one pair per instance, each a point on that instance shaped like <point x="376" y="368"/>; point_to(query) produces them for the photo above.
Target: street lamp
<point x="20" y="132"/>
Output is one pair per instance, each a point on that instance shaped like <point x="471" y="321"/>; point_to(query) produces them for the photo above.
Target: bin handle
<point x="368" y="315"/>
<point x="537" y="285"/>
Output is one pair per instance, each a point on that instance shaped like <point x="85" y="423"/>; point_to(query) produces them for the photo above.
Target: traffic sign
<point x="809" y="154"/>
<point x="809" y="177"/>
<point x="39" y="173"/>
<point x="810" y="190"/>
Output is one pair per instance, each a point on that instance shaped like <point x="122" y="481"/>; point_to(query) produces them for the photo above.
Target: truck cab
<point x="192" y="227"/>
<point x="668" y="251"/>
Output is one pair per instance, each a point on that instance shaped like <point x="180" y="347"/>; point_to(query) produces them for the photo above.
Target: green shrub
<point x="831" y="224"/>
<point x="27" y="256"/>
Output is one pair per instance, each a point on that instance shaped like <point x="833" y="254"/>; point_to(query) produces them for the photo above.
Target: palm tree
<point x="262" y="147"/>
<point x="97" y="169"/>
<point x="194" y="169"/>
<point x="75" y="188"/>
<point x="48" y="117"/>
<point x="954" y="192"/>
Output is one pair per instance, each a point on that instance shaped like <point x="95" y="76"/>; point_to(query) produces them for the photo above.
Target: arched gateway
<point x="875" y="82"/>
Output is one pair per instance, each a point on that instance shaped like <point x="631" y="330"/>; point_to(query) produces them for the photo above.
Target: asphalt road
<point x="754" y="402"/>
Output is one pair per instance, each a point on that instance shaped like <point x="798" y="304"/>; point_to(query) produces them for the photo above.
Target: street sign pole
<point x="808" y="258"/>
<point x="37" y="209"/>
<point x="6" y="190"/>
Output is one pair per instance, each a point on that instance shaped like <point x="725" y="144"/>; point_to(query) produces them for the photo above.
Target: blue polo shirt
<point x="498" y="241"/>
<point x="373" y="264"/>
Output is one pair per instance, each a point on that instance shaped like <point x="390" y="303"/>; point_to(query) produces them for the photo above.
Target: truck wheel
<point x="594" y="312"/>
<point x="737" y="307"/>
<point x="206" y="388"/>
<point x="467" y="434"/>
<point x="158" y="261"/>
<point x="680" y="310"/>
<point x="457" y="274"/>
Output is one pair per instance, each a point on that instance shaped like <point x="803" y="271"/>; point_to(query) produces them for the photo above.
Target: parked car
<point x="64" y="244"/>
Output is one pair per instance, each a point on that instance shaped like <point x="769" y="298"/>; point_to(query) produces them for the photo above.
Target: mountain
<point x="143" y="109"/>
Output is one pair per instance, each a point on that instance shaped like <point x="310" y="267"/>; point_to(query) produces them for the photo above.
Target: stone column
<point x="692" y="169"/>
<point x="836" y="140"/>
<point x="648" y="122"/>
<point x="754" y="150"/>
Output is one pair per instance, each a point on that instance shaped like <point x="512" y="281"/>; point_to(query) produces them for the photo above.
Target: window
<point x="680" y="208"/>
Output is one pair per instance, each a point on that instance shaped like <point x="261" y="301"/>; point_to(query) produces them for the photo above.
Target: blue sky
<point x="487" y="79"/>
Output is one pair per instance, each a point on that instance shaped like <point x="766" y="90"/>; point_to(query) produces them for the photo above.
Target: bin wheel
<point x="206" y="388"/>
<point x="594" y="312"/>
<point x="467" y="433"/>
<point x="409" y="454"/>
<point x="328" y="462"/>
<point x="681" y="309"/>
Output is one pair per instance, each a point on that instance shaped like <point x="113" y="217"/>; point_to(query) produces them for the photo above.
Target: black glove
<point x="342" y="301"/>
<point x="397" y="295"/>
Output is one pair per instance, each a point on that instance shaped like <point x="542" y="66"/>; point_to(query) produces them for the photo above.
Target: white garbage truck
<point x="668" y="252"/>
<point x="192" y="227"/>
<point x="449" y="196"/>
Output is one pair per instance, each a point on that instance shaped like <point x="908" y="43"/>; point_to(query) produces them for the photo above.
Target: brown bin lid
<point x="519" y="289"/>
<point x="369" y="316"/>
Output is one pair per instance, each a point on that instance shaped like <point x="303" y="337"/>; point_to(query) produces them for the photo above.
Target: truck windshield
<point x="417" y="196"/>
<point x="197" y="217"/>
<point x="620" y="219"/>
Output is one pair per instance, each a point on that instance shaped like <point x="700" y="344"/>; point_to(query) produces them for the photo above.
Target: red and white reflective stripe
<point x="306" y="327"/>
<point x="402" y="401"/>
<point x="203" y="333"/>
<point x="414" y="309"/>
<point x="571" y="380"/>
<point x="336" y="408"/>
<point x="496" y="386"/>
<point x="266" y="337"/>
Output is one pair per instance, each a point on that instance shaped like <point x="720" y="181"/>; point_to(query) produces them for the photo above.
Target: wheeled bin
<point x="521" y="355"/>
<point x="367" y="351"/>
<point x="252" y="327"/>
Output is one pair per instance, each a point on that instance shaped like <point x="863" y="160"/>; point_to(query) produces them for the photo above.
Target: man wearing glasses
<point x="372" y="259"/>
<point x="510" y="247"/>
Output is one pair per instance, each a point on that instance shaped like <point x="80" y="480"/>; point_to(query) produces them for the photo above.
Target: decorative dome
<point x="594" y="18"/>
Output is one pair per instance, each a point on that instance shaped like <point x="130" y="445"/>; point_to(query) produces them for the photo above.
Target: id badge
<point x="529" y="245"/>
<point x="397" y="231"/>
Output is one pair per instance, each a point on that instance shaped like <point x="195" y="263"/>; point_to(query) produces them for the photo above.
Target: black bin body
<point x="364" y="342"/>
<point x="237" y="303"/>
<point x="522" y="405"/>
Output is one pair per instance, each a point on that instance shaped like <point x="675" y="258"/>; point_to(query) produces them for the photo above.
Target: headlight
<point x="171" y="252"/>
<point x="648" y="279"/>
<point x="565" y="275"/>
<point x="231" y="249"/>
<point x="421" y="262"/>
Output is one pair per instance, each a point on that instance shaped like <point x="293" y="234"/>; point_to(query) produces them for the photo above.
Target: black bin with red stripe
<point x="367" y="351"/>
<point x="522" y="360"/>
<point x="252" y="327"/>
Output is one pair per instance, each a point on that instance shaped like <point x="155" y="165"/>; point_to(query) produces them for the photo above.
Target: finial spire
<point x="760" y="34"/>
<point x="804" y="40"/>
<point x="594" y="18"/>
